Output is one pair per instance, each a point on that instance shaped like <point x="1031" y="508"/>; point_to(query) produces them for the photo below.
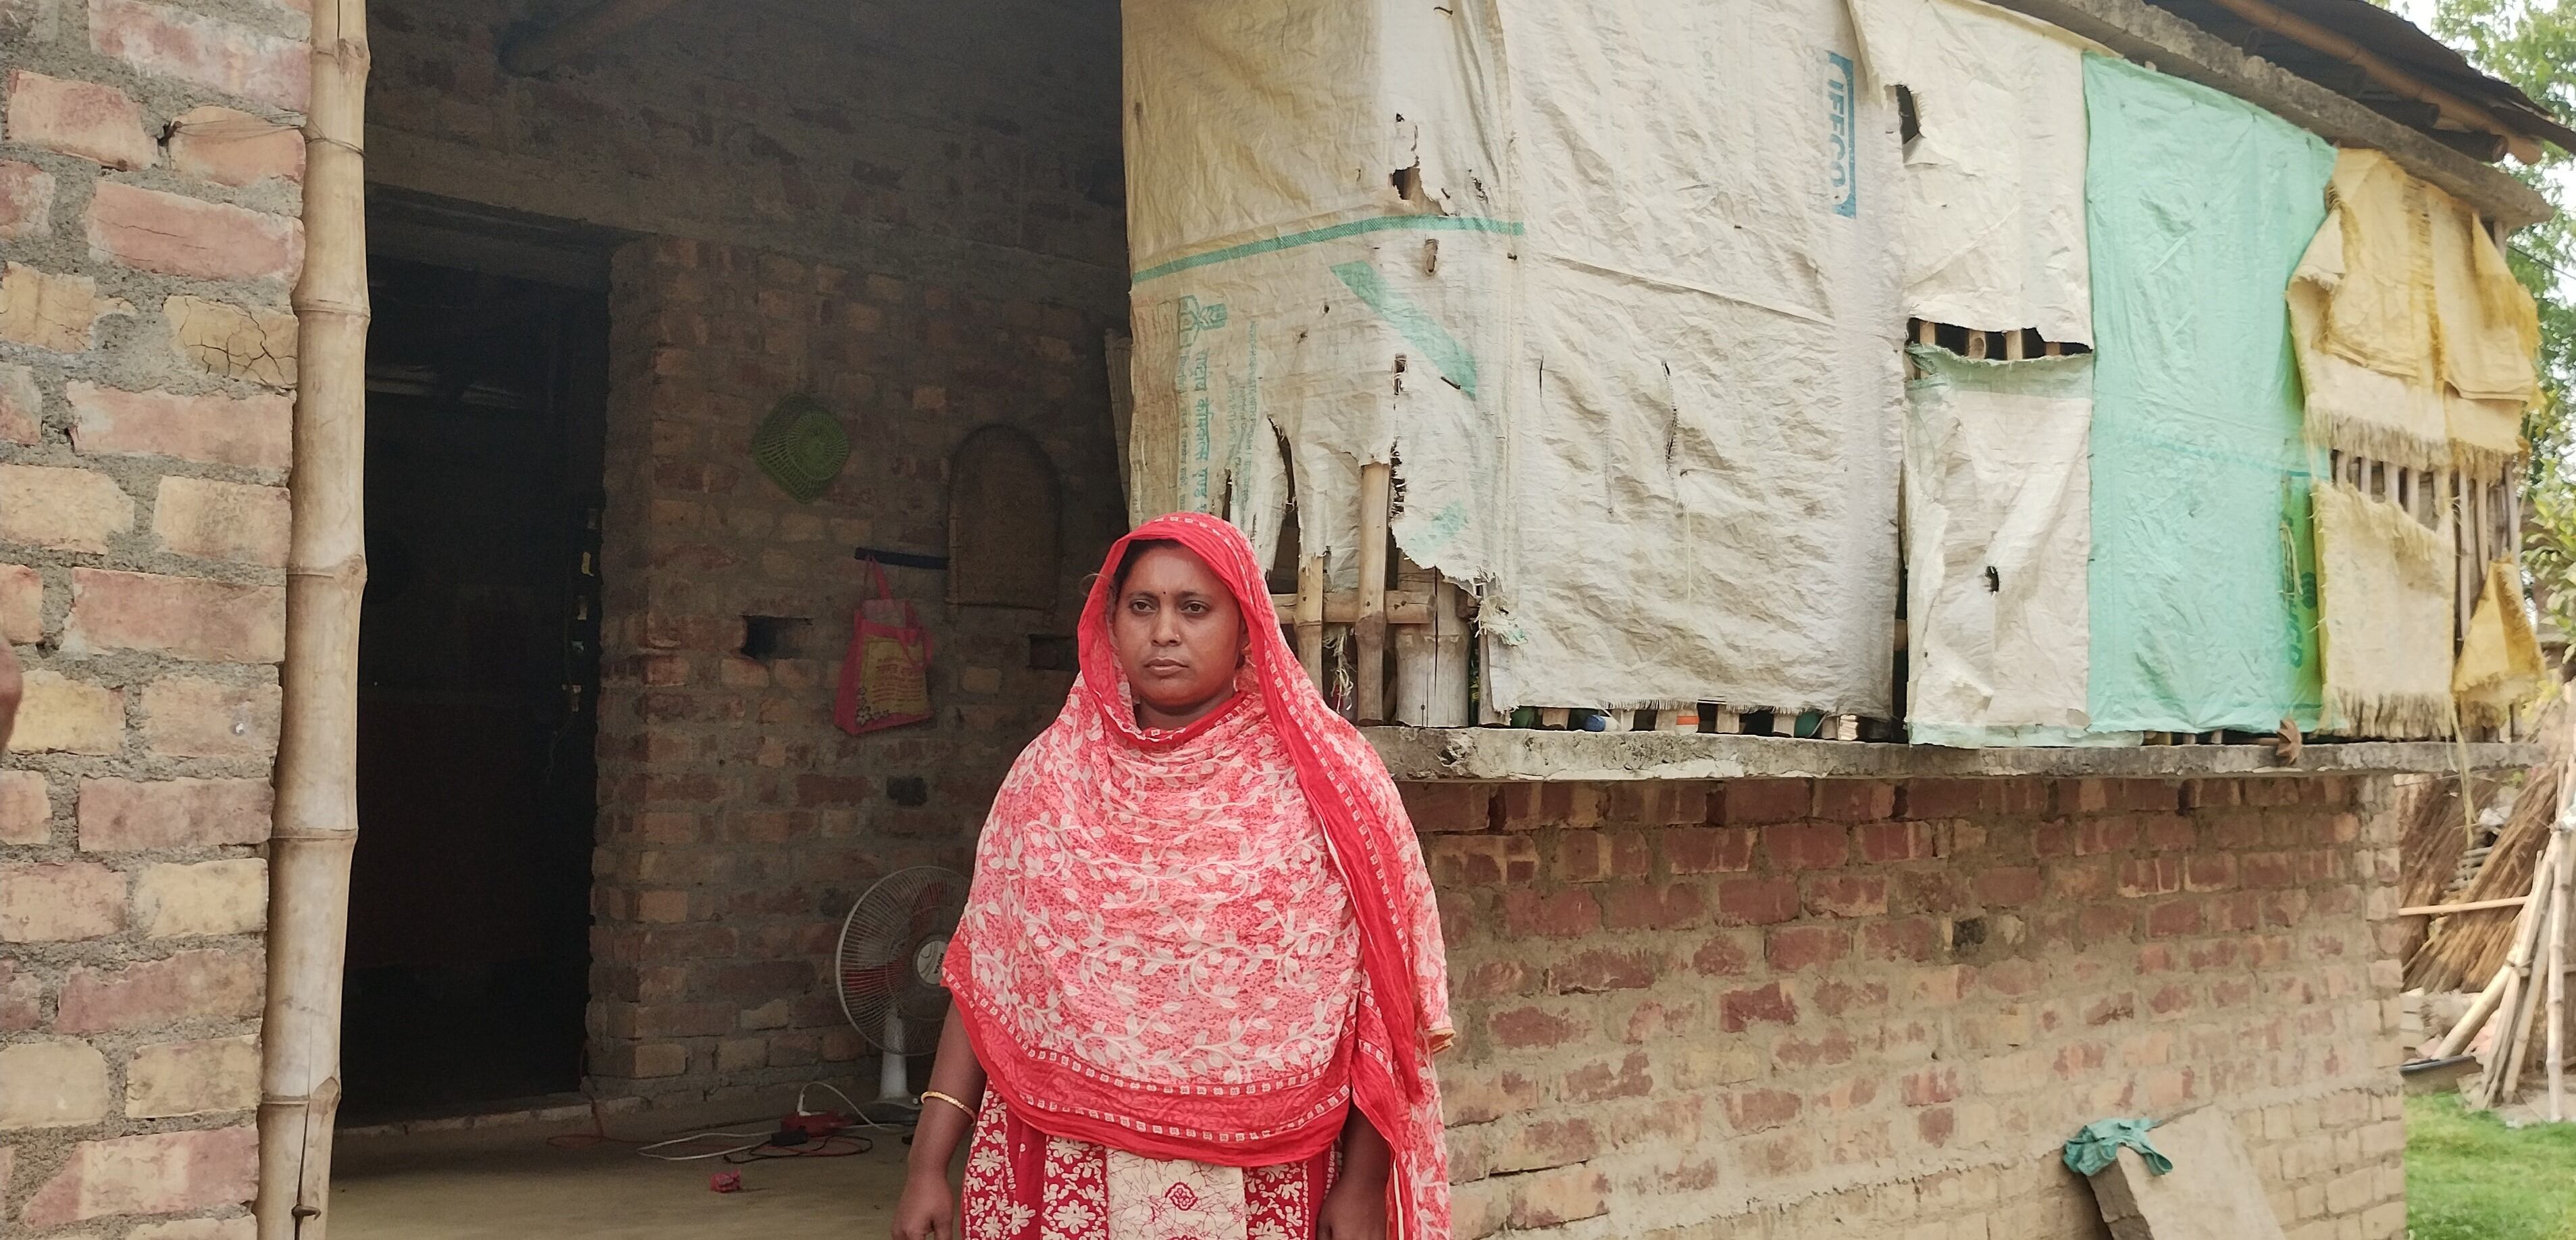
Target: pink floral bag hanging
<point x="885" y="680"/>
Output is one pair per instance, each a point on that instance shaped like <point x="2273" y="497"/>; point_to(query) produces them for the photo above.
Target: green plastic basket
<point x="801" y="446"/>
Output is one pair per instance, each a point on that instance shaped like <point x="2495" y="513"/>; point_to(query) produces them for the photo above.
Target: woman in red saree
<point x="1199" y="979"/>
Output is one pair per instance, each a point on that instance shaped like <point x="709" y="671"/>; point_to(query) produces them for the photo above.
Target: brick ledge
<point x="1509" y="755"/>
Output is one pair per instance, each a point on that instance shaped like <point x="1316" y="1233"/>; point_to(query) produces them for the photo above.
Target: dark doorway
<point x="478" y="670"/>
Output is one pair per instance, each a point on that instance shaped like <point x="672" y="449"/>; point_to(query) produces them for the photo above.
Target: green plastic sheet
<point x="2097" y="1145"/>
<point x="2203" y="581"/>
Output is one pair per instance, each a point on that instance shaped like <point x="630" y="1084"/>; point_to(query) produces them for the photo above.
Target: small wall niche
<point x="769" y="638"/>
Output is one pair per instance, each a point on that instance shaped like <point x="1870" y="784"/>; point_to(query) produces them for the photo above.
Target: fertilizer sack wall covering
<point x="1607" y="281"/>
<point x="2203" y="580"/>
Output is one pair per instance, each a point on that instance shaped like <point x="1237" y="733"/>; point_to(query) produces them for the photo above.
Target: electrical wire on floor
<point x="805" y="1134"/>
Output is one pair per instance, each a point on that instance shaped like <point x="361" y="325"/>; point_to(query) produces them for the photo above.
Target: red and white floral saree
<point x="1187" y="954"/>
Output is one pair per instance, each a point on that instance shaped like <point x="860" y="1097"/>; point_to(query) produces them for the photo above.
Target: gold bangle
<point x="928" y="1094"/>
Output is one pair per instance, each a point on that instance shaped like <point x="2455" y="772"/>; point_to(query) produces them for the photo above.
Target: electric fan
<point x="887" y="967"/>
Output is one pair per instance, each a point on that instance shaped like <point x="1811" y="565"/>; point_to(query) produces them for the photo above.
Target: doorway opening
<point x="468" y="952"/>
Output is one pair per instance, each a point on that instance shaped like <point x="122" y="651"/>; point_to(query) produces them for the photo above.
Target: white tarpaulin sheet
<point x="1990" y="205"/>
<point x="1998" y="520"/>
<point x="1640" y="375"/>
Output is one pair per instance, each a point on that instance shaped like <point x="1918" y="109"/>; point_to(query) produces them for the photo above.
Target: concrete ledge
<point x="2150" y="35"/>
<point x="1510" y="755"/>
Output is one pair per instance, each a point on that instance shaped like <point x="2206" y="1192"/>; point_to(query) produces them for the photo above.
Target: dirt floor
<point x="510" y="1182"/>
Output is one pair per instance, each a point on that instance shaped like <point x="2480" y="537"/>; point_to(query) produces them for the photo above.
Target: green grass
<point x="2468" y="1177"/>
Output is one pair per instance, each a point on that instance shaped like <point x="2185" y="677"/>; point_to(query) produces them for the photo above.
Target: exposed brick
<point x="22" y="604"/>
<point x="1652" y="906"/>
<point x="217" y="984"/>
<point x="94" y="121"/>
<point x="157" y="1173"/>
<point x="26" y="817"/>
<point x="1846" y="895"/>
<point x="68" y="900"/>
<point x="1806" y="845"/>
<point x="1557" y="1196"/>
<point x="26" y="202"/>
<point x="179" y="236"/>
<point x="231" y="147"/>
<point x="1562" y="914"/>
<point x="51" y="1085"/>
<point x="1855" y="800"/>
<point x="1792" y="949"/>
<point x="1882" y="842"/>
<point x="1940" y="798"/>
<point x="1753" y="1110"/>
<point x="188" y="617"/>
<point x="70" y="716"/>
<point x="1708" y="850"/>
<point x="222" y="520"/>
<point x="1754" y="801"/>
<point x="64" y="509"/>
<point x="2007" y="885"/>
<point x="1603" y="970"/>
<point x="1738" y="1010"/>
<point x="253" y="431"/>
<point x="171" y="41"/>
<point x="1528" y="1028"/>
<point x="1756" y="901"/>
<point x="193" y="1078"/>
<point x="51" y="310"/>
<point x="238" y="1227"/>
<point x="258" y="344"/>
<point x="206" y="897"/>
<point x="121" y="815"/>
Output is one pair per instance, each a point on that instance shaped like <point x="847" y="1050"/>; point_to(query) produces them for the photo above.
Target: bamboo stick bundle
<point x="2467" y="946"/>
<point x="316" y="819"/>
<point x="2504" y="1058"/>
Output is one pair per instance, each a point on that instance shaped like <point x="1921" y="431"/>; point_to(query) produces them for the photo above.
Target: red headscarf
<point x="1157" y="954"/>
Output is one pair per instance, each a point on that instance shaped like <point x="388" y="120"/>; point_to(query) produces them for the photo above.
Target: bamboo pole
<point x="1403" y="607"/>
<point x="2557" y="1012"/>
<point x="326" y="573"/>
<point x="1416" y="680"/>
<point x="1377" y="482"/>
<point x="1449" y="638"/>
<point x="1310" y="617"/>
<point x="2495" y="1082"/>
<point x="2475" y="1019"/>
<point x="2473" y="906"/>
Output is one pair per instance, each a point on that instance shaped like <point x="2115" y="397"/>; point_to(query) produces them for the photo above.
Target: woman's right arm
<point x="928" y="1207"/>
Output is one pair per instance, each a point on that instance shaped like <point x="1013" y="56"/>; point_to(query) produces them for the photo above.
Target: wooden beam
<point x="2454" y="109"/>
<point x="579" y="34"/>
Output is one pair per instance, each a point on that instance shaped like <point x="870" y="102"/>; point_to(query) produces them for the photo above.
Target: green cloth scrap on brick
<point x="2098" y="1145"/>
<point x="2202" y="588"/>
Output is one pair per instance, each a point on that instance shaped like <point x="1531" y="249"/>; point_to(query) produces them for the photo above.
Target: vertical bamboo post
<point x="1449" y="637"/>
<point x="1416" y="671"/>
<point x="2557" y="1012"/>
<point x="1310" y="617"/>
<point x="2015" y="346"/>
<point x="326" y="573"/>
<point x="1377" y="481"/>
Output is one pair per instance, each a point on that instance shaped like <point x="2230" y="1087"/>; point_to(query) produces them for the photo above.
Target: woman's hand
<point x="927" y="1210"/>
<point x="1353" y="1210"/>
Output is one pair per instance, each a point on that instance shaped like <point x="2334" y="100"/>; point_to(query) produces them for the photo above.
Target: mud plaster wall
<point x="912" y="212"/>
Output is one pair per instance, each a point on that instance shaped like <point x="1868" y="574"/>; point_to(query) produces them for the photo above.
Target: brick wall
<point x="148" y="193"/>
<point x="1793" y="1009"/>
<point x="974" y="146"/>
<point x="736" y="823"/>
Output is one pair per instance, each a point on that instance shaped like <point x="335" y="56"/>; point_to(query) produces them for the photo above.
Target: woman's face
<point x="1179" y="636"/>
